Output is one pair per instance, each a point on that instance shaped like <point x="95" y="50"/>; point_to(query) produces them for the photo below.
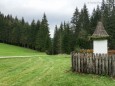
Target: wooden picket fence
<point x="101" y="64"/>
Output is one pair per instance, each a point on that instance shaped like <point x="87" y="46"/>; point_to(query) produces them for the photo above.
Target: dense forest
<point x="18" y="32"/>
<point x="68" y="36"/>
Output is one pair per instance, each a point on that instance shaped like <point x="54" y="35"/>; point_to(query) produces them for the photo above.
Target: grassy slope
<point x="45" y="71"/>
<point x="10" y="50"/>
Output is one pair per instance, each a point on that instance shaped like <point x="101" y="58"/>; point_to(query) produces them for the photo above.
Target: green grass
<point x="44" y="71"/>
<point x="10" y="50"/>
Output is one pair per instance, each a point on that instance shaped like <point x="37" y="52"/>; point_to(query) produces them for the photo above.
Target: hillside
<point x="11" y="50"/>
<point x="43" y="70"/>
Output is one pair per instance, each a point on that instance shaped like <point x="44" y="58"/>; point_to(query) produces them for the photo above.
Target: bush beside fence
<point x="102" y="64"/>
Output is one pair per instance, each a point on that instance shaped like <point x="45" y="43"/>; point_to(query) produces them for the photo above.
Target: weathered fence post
<point x="103" y="65"/>
<point x="76" y="56"/>
<point x="94" y="64"/>
<point x="106" y="64"/>
<point x="100" y="63"/>
<point x="113" y="65"/>
<point x="96" y="57"/>
<point x="73" y="60"/>
<point x="81" y="58"/>
<point x="78" y="62"/>
<point x="109" y="66"/>
<point x="85" y="63"/>
<point x="90" y="63"/>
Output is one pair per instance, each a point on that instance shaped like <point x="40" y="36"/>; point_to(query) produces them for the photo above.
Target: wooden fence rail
<point x="102" y="64"/>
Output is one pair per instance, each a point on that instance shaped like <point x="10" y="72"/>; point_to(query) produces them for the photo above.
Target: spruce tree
<point x="84" y="23"/>
<point x="66" y="39"/>
<point x="43" y="37"/>
<point x="55" y="41"/>
<point x="60" y="33"/>
<point x="75" y="22"/>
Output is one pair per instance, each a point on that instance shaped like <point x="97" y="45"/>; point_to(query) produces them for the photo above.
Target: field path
<point x="20" y="56"/>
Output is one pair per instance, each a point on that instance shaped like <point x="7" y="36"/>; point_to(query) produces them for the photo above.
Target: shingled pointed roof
<point x="100" y="32"/>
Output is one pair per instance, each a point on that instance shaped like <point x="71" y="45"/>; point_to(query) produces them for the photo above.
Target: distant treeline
<point x="70" y="36"/>
<point x="18" y="32"/>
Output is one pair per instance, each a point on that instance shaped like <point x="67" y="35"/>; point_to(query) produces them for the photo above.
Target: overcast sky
<point x="56" y="11"/>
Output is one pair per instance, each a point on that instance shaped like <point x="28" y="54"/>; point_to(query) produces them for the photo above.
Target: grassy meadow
<point x="42" y="70"/>
<point x="11" y="50"/>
